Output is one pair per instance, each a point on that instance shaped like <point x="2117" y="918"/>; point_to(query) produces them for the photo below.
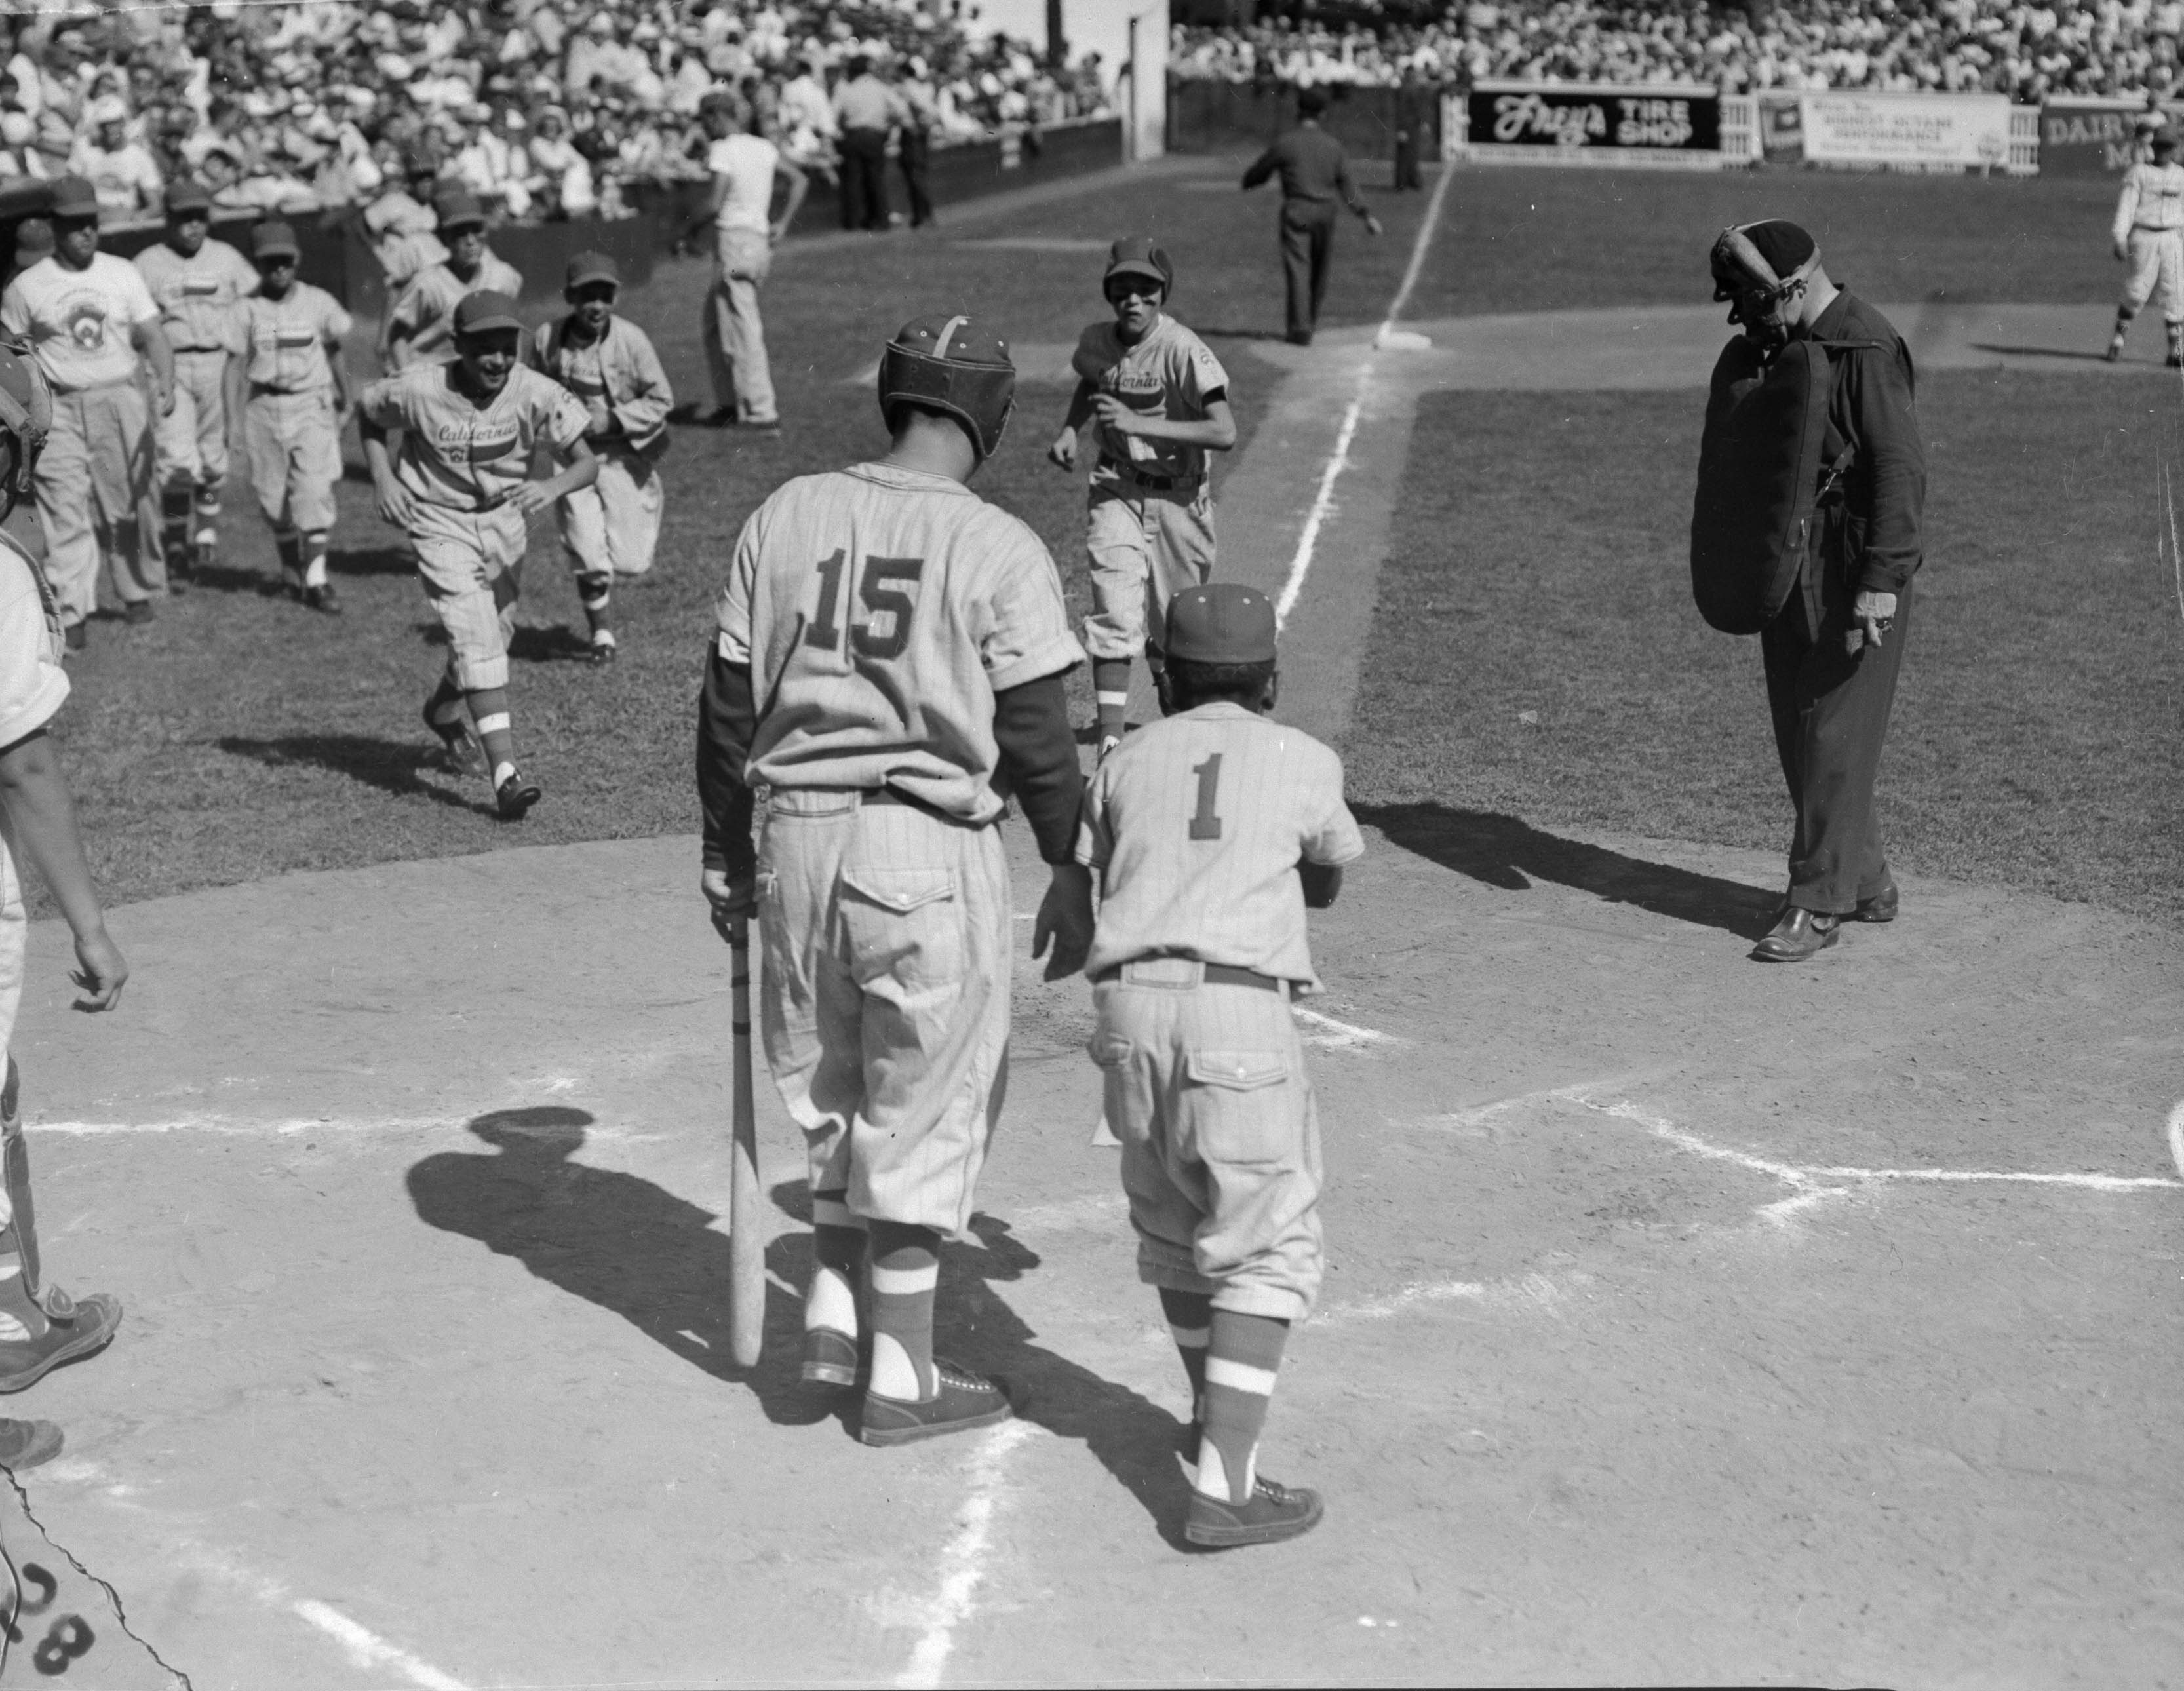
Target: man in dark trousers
<point x="1315" y="172"/>
<point x="1833" y="650"/>
<point x="867" y="108"/>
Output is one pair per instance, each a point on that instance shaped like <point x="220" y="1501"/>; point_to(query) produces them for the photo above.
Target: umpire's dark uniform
<point x="1315" y="172"/>
<point x="1830" y="706"/>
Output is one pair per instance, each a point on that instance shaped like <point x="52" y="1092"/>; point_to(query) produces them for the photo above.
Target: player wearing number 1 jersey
<point x="889" y="663"/>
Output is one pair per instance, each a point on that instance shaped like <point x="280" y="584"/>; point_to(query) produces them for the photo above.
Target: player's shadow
<point x="390" y="765"/>
<point x="1505" y="851"/>
<point x="615" y="1240"/>
<point x="560" y="644"/>
<point x="2079" y="354"/>
<point x="388" y="559"/>
<point x="228" y="578"/>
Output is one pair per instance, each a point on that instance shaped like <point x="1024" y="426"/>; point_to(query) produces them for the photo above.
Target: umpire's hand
<point x="1065" y="917"/>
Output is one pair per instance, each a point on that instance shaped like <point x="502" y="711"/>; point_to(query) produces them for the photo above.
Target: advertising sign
<point x="2090" y="137"/>
<point x="1573" y="118"/>
<point x="1906" y="131"/>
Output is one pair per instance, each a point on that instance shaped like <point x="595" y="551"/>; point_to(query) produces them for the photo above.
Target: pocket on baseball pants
<point x="1236" y="1110"/>
<point x="904" y="923"/>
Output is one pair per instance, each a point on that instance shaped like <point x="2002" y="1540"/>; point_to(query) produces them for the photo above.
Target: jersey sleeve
<point x="732" y="612"/>
<point x="334" y="321"/>
<point x="1090" y="360"/>
<point x="133" y="298"/>
<point x="1330" y="834"/>
<point x="563" y="421"/>
<point x="386" y="403"/>
<point x="1027" y="631"/>
<point x="1203" y="375"/>
<point x="14" y="311"/>
<point x="32" y="686"/>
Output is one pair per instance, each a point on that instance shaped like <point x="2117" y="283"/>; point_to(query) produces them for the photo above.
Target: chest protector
<point x="1760" y="474"/>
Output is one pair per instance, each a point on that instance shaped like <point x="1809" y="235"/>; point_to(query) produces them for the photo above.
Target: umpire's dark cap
<point x="188" y="195"/>
<point x="476" y="313"/>
<point x="1780" y="241"/>
<point x="1222" y="623"/>
<point x="2163" y="143"/>
<point x="74" y="196"/>
<point x="1139" y="255"/>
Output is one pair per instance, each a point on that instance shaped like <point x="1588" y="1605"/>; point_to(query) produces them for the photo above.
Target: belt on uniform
<point x="260" y="390"/>
<point x="1213" y="974"/>
<point x="1159" y="484"/>
<point x="891" y="795"/>
<point x="2155" y="228"/>
<point x="179" y="351"/>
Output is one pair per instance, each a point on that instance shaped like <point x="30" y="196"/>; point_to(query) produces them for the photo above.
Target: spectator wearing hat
<point x="744" y="168"/>
<point x="90" y="320"/>
<point x="419" y="328"/>
<point x="560" y="180"/>
<point x="199" y="284"/>
<point x="299" y="398"/>
<point x="611" y="527"/>
<point x="1315" y="172"/>
<point x="121" y="171"/>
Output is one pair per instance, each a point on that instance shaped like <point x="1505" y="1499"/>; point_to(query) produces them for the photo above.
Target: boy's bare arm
<point x="1216" y="430"/>
<point x="1063" y="451"/>
<point x="35" y="797"/>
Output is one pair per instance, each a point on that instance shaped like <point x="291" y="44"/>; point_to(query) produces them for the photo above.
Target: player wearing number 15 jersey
<point x="889" y="663"/>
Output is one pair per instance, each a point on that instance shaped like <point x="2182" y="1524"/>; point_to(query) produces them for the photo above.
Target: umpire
<point x="1315" y="172"/>
<point x="1833" y="648"/>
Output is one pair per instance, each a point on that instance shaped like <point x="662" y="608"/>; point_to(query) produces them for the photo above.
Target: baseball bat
<point x="746" y="1248"/>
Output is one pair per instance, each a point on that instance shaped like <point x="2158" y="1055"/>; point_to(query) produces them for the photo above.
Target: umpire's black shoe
<point x="830" y="1359"/>
<point x="138" y="612"/>
<point x="1274" y="1512"/>
<point x="965" y="1400"/>
<point x="1800" y="934"/>
<point x="1880" y="908"/>
<point x="516" y="796"/>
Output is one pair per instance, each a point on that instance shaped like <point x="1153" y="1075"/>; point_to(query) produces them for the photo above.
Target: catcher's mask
<point x="946" y="363"/>
<point x="26" y="417"/>
<point x="1755" y="291"/>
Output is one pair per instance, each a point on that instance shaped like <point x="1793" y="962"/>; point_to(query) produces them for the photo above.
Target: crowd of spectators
<point x="2028" y="52"/>
<point x="543" y="107"/>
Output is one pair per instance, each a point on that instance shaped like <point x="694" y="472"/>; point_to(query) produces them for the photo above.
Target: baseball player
<point x="1160" y="400"/>
<point x="890" y="661"/>
<point x="419" y="326"/>
<point x="88" y="316"/>
<point x="2148" y="236"/>
<point x="461" y="488"/>
<point x="299" y="398"/>
<point x="199" y="284"/>
<point x="41" y="1326"/>
<point x="1210" y="833"/>
<point x="611" y="527"/>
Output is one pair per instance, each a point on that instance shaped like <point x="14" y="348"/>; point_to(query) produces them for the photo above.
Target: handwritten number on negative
<point x="1205" y="826"/>
<point x="67" y="1639"/>
<point x="885" y="602"/>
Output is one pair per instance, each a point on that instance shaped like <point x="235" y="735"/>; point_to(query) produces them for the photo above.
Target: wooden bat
<point x="746" y="1246"/>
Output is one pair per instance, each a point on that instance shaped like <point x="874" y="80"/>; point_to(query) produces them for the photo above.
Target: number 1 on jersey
<point x="824" y="632"/>
<point x="1206" y="826"/>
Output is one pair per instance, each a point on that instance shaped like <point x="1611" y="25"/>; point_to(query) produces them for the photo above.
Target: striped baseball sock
<point x="1110" y="691"/>
<point x="595" y="591"/>
<point x="905" y="1274"/>
<point x="837" y="1254"/>
<point x="1240" y="1367"/>
<point x="314" y="550"/>
<point x="489" y="714"/>
<point x="205" y="505"/>
<point x="1190" y="1323"/>
<point x="290" y="545"/>
<point x="445" y="707"/>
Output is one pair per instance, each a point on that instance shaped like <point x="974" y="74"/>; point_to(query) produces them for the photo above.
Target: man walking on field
<point x="744" y="168"/>
<point x="1315" y="172"/>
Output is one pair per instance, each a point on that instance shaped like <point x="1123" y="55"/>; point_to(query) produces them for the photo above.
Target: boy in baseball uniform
<point x="611" y="527"/>
<point x="462" y="490"/>
<point x="1210" y="832"/>
<point x="889" y="661"/>
<point x="1160" y="400"/>
<point x="88" y="316"/>
<point x="420" y="325"/>
<point x="199" y="284"/>
<point x="2148" y="235"/>
<point x="299" y="398"/>
<point x="41" y="1326"/>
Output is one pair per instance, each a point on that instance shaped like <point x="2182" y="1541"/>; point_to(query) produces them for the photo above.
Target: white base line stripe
<point x="2177" y="1138"/>
<point x="963" y="1562"/>
<point x="368" y="1649"/>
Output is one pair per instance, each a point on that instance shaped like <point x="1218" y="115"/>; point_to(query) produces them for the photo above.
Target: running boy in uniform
<point x="1160" y="401"/>
<point x="461" y="488"/>
<point x="1210" y="833"/>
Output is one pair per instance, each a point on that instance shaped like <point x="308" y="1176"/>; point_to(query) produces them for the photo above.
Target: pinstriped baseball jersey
<point x="427" y="310"/>
<point x="2152" y="199"/>
<point x="880" y="610"/>
<point x="199" y="295"/>
<point x="466" y="457"/>
<point x="1168" y="373"/>
<point x="1194" y="826"/>
<point x="286" y="338"/>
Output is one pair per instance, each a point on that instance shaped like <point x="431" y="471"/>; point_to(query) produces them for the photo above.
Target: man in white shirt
<point x="88" y="316"/>
<point x="744" y="168"/>
<point x="121" y="171"/>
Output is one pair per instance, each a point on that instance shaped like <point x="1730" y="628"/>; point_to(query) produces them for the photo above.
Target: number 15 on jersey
<point x="882" y="588"/>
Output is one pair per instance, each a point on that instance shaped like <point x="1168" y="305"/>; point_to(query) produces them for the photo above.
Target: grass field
<point x="1537" y="566"/>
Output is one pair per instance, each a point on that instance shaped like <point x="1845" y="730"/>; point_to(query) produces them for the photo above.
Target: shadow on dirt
<point x="1506" y="853"/>
<point x="390" y="559"/>
<point x="390" y="765"/>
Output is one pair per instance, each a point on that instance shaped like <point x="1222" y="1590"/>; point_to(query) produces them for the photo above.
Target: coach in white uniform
<point x="744" y="167"/>
<point x="88" y="316"/>
<point x="2148" y="235"/>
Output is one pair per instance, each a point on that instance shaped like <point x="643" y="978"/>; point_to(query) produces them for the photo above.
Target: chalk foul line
<point x="963" y="1561"/>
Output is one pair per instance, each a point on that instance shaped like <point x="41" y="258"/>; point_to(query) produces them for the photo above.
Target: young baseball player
<point x="611" y="527"/>
<point x="198" y="284"/>
<point x="41" y="1326"/>
<point x="889" y="661"/>
<point x="420" y="325"/>
<point x="1210" y="832"/>
<point x="2148" y="236"/>
<point x="1161" y="401"/>
<point x="299" y="398"/>
<point x="461" y="488"/>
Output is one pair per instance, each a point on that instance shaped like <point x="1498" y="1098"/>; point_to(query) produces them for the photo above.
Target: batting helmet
<point x="947" y="363"/>
<point x="26" y="417"/>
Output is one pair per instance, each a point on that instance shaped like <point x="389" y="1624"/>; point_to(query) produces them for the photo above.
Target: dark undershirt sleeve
<point x="1038" y="762"/>
<point x="726" y="720"/>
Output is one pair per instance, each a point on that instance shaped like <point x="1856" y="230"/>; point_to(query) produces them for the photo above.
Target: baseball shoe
<point x="1880" y="908"/>
<point x="965" y="1400"/>
<point x="770" y="426"/>
<point x="26" y="1443"/>
<point x="1301" y="337"/>
<point x="76" y="638"/>
<point x="1273" y="1513"/>
<point x="830" y="1359"/>
<point x="2175" y="361"/>
<point x="460" y="750"/>
<point x="720" y="417"/>
<point x="1801" y="933"/>
<point x="323" y="599"/>
<point x="602" y="652"/>
<point x="516" y="796"/>
<point x="87" y="1325"/>
<point x="138" y="612"/>
<point x="2114" y="352"/>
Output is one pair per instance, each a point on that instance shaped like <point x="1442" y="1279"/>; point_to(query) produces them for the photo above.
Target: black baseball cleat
<point x="2176" y="361"/>
<point x="1880" y="908"/>
<point x="456" y="745"/>
<point x="830" y="1359"/>
<point x="324" y="599"/>
<point x="83" y="1327"/>
<point x="602" y="652"/>
<point x="965" y="1400"/>
<point x="26" y="1443"/>
<point x="1801" y="933"/>
<point x="1274" y="1512"/>
<point x="515" y="797"/>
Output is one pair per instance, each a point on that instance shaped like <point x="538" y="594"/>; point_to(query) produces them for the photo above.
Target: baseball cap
<point x="73" y="197"/>
<point x="270" y="240"/>
<point x="1137" y="255"/>
<point x="593" y="267"/>
<point x="459" y="209"/>
<point x="1221" y="623"/>
<point x="188" y="195"/>
<point x="476" y="312"/>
